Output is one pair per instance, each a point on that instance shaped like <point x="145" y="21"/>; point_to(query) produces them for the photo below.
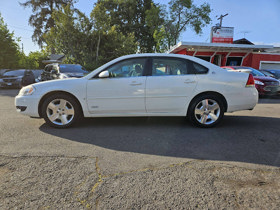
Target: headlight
<point x="26" y="91"/>
<point x="63" y="76"/>
<point x="258" y="82"/>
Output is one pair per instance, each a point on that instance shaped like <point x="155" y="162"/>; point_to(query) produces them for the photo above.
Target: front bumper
<point x="268" y="90"/>
<point x="10" y="84"/>
<point x="27" y="105"/>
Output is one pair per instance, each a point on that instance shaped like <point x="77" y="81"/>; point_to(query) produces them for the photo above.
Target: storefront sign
<point x="222" y="34"/>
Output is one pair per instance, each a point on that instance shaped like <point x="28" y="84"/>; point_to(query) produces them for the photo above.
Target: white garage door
<point x="272" y="66"/>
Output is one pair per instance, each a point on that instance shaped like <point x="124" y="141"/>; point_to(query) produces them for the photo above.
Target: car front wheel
<point x="61" y="111"/>
<point x="206" y="111"/>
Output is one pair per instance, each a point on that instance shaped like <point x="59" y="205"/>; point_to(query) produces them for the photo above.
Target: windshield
<point x="14" y="73"/>
<point x="71" y="69"/>
<point x="267" y="74"/>
<point x="275" y="72"/>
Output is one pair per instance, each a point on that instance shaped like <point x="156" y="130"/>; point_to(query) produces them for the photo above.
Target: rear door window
<point x="198" y="68"/>
<point x="169" y="66"/>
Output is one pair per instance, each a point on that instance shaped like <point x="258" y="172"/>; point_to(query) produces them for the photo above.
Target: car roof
<point x="69" y="64"/>
<point x="143" y="55"/>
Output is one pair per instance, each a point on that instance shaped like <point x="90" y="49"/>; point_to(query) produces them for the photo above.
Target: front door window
<point x="128" y="68"/>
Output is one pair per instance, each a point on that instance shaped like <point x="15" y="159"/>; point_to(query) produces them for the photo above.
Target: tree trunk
<point x="97" y="48"/>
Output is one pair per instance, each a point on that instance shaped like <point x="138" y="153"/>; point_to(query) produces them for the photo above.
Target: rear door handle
<point x="135" y="84"/>
<point x="187" y="81"/>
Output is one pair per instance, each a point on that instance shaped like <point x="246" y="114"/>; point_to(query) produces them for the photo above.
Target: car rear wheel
<point x="61" y="111"/>
<point x="206" y="111"/>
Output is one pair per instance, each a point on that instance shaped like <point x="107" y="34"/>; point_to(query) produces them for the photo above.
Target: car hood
<point x="58" y="84"/>
<point x="265" y="79"/>
<point x="55" y="82"/>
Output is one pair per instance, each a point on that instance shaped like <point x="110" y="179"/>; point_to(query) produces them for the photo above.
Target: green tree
<point x="84" y="42"/>
<point x="42" y="20"/>
<point x="155" y="18"/>
<point x="183" y="14"/>
<point x="65" y="38"/>
<point x="130" y="16"/>
<point x="34" y="60"/>
<point x="9" y="49"/>
<point x="110" y="39"/>
<point x="114" y="44"/>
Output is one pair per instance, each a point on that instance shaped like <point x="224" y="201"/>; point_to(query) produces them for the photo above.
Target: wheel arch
<point x="224" y="101"/>
<point x="57" y="92"/>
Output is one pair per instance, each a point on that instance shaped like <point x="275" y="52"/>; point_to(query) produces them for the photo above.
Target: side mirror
<point x="104" y="74"/>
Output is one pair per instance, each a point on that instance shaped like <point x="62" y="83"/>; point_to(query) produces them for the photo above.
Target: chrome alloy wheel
<point x="60" y="112"/>
<point x="207" y="111"/>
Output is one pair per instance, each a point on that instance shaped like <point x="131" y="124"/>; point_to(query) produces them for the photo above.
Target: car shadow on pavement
<point x="269" y="100"/>
<point x="12" y="92"/>
<point x="237" y="138"/>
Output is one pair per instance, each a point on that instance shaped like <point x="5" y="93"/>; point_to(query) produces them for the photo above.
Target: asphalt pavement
<point x="141" y="163"/>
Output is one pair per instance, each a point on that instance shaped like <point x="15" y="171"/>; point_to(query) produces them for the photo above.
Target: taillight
<point x="250" y="81"/>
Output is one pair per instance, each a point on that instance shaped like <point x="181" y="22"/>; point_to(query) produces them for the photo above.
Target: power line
<point x="20" y="28"/>
<point x="25" y="37"/>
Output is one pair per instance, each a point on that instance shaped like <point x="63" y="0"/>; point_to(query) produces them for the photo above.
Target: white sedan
<point x="142" y="85"/>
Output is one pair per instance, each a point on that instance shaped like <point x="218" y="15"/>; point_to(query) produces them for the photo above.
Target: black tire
<point x="58" y="116"/>
<point x="206" y="111"/>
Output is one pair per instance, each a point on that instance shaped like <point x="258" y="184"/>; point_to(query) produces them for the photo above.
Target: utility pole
<point x="221" y="19"/>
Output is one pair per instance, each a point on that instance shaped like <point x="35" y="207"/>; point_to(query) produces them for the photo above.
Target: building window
<point x="234" y="61"/>
<point x="206" y="58"/>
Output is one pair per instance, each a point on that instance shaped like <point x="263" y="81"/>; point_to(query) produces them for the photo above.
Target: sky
<point x="256" y="20"/>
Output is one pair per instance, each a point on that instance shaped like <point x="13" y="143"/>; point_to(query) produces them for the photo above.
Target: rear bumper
<point x="246" y="99"/>
<point x="27" y="105"/>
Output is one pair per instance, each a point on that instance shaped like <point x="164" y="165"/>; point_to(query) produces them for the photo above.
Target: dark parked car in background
<point x="267" y="74"/>
<point x="2" y="71"/>
<point x="276" y="73"/>
<point x="264" y="84"/>
<point x="17" y="78"/>
<point x="37" y="73"/>
<point x="62" y="71"/>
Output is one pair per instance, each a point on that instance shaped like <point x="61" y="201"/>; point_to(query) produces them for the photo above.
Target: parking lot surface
<point x="147" y="163"/>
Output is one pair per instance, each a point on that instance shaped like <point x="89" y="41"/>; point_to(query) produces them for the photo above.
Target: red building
<point x="240" y="53"/>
